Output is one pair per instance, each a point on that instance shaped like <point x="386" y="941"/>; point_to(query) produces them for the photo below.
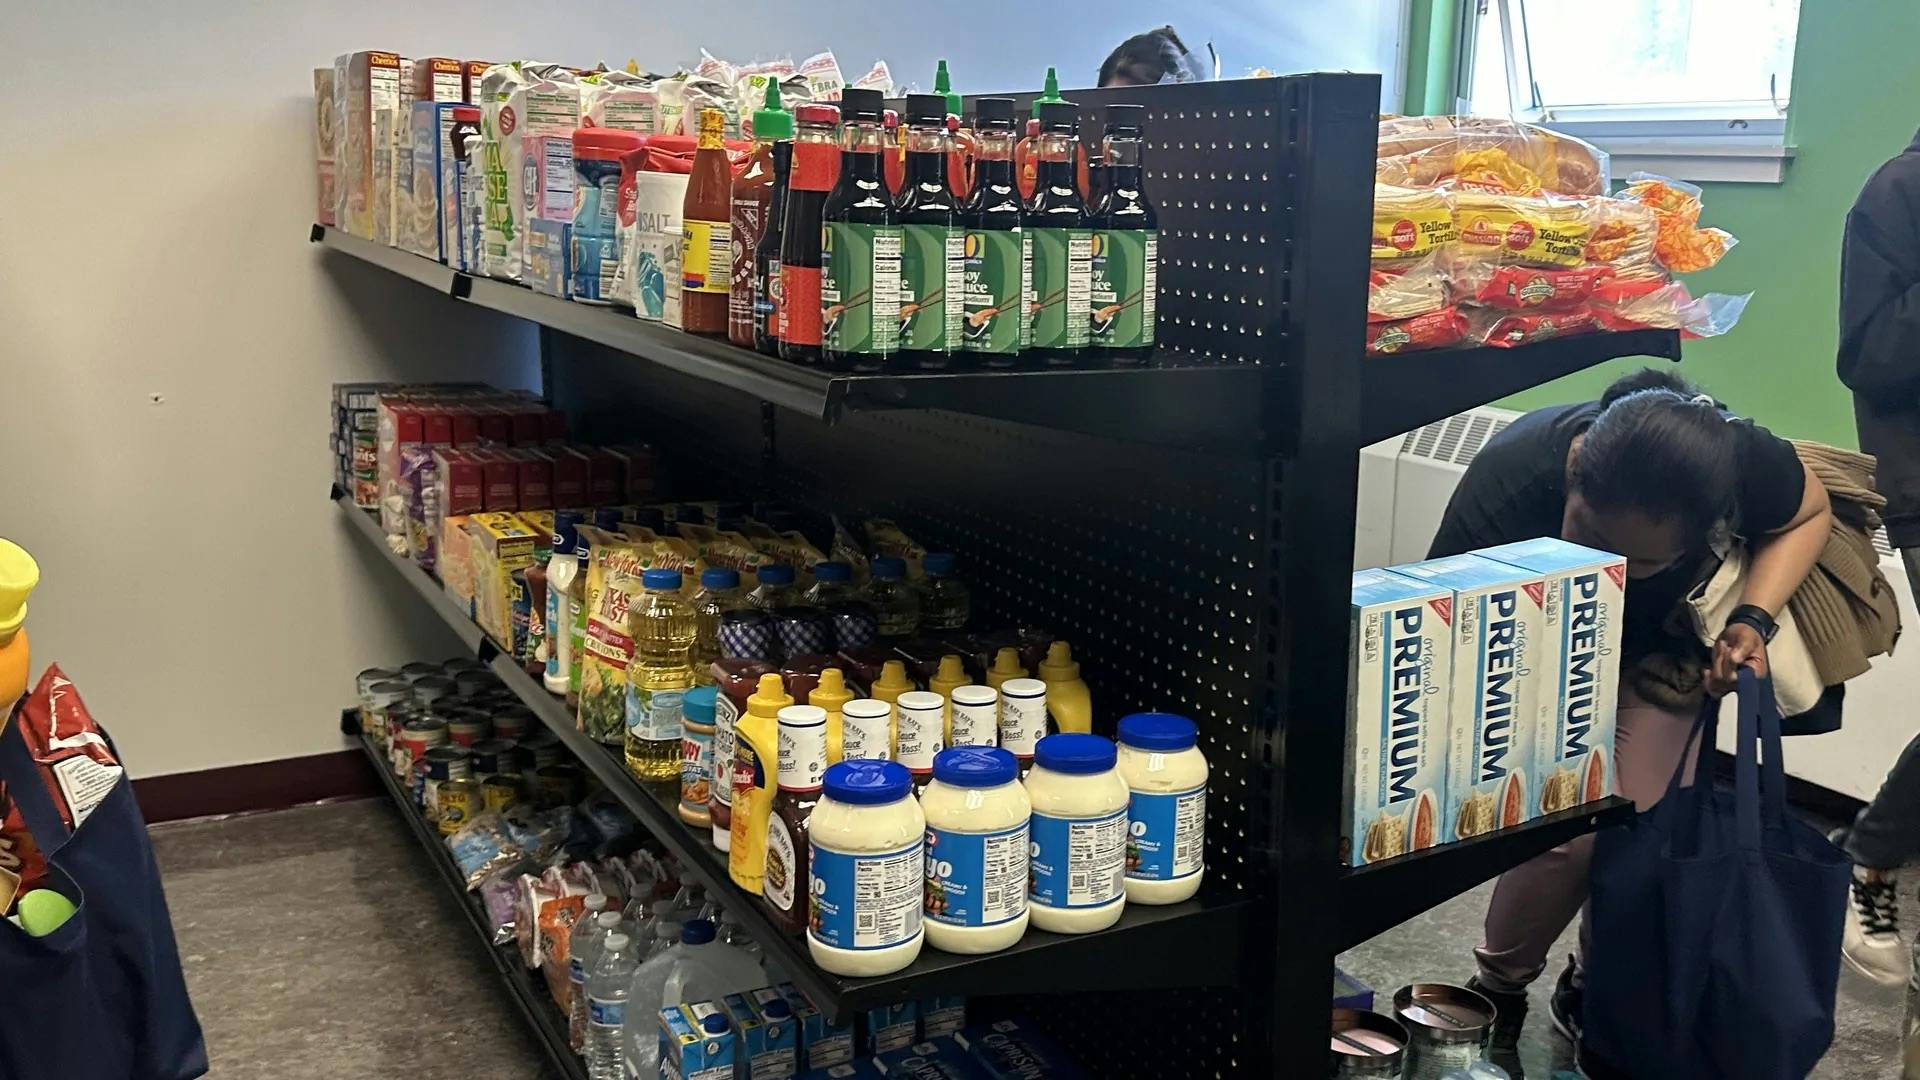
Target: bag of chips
<point x="1622" y="239"/>
<point x="77" y="765"/>
<point x="1682" y="246"/>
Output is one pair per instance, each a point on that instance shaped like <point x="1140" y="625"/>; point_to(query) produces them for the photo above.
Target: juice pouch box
<point x="822" y="1045"/>
<point x="942" y="1016"/>
<point x="688" y="1051"/>
<point x="768" y="1041"/>
<point x="1579" y="663"/>
<point x="935" y="1059"/>
<point x="1398" y="686"/>
<point x="1499" y="618"/>
<point x="1013" y="1051"/>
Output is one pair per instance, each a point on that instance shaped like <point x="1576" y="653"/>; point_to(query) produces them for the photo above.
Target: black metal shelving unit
<point x="1188" y="526"/>
<point x="527" y="992"/>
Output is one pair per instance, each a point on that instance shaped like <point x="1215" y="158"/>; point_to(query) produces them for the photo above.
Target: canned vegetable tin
<point x="431" y="688"/>
<point x="444" y="763"/>
<point x="421" y="734"/>
<point x="496" y="757"/>
<point x="558" y="785"/>
<point x="500" y="792"/>
<point x="459" y="801"/>
<point x="365" y="680"/>
<point x="513" y="723"/>
<point x="375" y="701"/>
<point x="468" y="727"/>
<point x="418" y="670"/>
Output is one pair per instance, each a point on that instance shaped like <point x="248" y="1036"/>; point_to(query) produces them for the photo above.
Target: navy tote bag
<point x="1716" y="919"/>
<point x="102" y="997"/>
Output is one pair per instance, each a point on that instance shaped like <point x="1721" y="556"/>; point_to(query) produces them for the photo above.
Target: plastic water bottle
<point x="704" y="969"/>
<point x="645" y="998"/>
<point x="583" y="942"/>
<point x="666" y="935"/>
<point x="607" y="986"/>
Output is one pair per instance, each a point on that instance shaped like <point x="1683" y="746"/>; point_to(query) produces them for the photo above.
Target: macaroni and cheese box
<point x="768" y="1045"/>
<point x="1499" y="619"/>
<point x="497" y="545"/>
<point x="1013" y="1051"/>
<point x="821" y="1044"/>
<point x="892" y="1027"/>
<point x="1579" y="662"/>
<point x="1398" y="685"/>
<point x="935" y="1059"/>
<point x="688" y="1051"/>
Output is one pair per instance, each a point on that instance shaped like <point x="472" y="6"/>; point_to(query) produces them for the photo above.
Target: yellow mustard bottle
<point x="951" y="675"/>
<point x="18" y="575"/>
<point x="831" y="695"/>
<point x="1006" y="665"/>
<point x="1069" y="702"/>
<point x="756" y="753"/>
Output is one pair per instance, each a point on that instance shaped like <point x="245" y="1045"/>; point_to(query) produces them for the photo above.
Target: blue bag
<point x="102" y="997"/>
<point x="1717" y="921"/>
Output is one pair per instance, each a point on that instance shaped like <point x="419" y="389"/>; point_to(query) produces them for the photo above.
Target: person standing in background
<point x="1879" y="360"/>
<point x="1157" y="56"/>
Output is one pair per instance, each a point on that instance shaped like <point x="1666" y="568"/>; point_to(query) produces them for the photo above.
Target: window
<point x="1697" y="88"/>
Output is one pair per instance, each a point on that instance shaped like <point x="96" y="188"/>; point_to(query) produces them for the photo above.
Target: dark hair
<point x="1144" y="59"/>
<point x="1661" y="447"/>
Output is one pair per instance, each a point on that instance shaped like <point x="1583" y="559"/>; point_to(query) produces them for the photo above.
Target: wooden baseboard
<point x="265" y="785"/>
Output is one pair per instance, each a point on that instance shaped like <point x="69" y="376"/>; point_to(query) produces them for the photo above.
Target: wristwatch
<point x="1756" y="617"/>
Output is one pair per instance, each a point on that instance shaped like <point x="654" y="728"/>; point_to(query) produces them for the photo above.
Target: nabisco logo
<point x="1502" y="659"/>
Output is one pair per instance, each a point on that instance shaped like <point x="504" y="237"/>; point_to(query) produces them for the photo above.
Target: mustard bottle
<point x="756" y="753"/>
<point x="951" y="676"/>
<point x="1006" y="665"/>
<point x="18" y="575"/>
<point x="1069" y="703"/>
<point x="888" y="687"/>
<point x="831" y="695"/>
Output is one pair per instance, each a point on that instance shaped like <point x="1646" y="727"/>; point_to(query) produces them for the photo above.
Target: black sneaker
<point x="1510" y="1016"/>
<point x="1563" y="1008"/>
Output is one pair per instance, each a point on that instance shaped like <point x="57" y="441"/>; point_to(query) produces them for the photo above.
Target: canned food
<point x="375" y="701"/>
<point x="459" y="664"/>
<point x="1367" y="1044"/>
<point x="419" y="669"/>
<point x="474" y="684"/>
<point x="469" y="727"/>
<point x="460" y="801"/>
<point x="365" y="680"/>
<point x="444" y="763"/>
<point x="416" y="777"/>
<point x="421" y="734"/>
<point x="500" y="792"/>
<point x="558" y="785"/>
<point x="540" y="749"/>
<point x="513" y="723"/>
<point x="1447" y="1027"/>
<point x="431" y="688"/>
<point x="496" y="757"/>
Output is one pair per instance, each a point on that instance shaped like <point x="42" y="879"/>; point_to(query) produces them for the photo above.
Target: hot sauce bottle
<point x="933" y="243"/>
<point x="1026" y="161"/>
<point x="706" y="250"/>
<point x="860" y="250"/>
<point x="998" y="253"/>
<point x="1126" y="246"/>
<point x="960" y="160"/>
<point x="802" y="765"/>
<point x="1062" y="242"/>
<point x="766" y="256"/>
<point x="816" y="165"/>
<point x="752" y="199"/>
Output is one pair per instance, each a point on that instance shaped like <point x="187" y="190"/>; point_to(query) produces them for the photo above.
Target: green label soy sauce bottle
<point x="932" y="258"/>
<point x="999" y="254"/>
<point x="1062" y="242"/>
<point x="1126" y="246"/>
<point x="860" y="247"/>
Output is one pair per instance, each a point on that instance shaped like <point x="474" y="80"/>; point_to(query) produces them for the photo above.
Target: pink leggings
<point x="1533" y="902"/>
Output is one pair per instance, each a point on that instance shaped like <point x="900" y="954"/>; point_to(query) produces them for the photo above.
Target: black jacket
<point x="1880" y="333"/>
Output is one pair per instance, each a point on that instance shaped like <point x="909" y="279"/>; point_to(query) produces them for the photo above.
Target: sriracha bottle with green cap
<point x="960" y="159"/>
<point x="752" y="197"/>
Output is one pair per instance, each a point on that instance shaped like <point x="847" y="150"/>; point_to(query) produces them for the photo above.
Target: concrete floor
<point x="318" y="944"/>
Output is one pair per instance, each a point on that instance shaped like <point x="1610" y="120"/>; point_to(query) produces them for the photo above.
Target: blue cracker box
<point x="821" y="1043"/>
<point x="768" y="1044"/>
<point x="549" y="257"/>
<point x="852" y="1070"/>
<point x="935" y="1059"/>
<point x="1010" y="1050"/>
<point x="687" y="1052"/>
<point x="1351" y="993"/>
<point x="1499" y="623"/>
<point x="891" y="1027"/>
<point x="942" y="1016"/>
<point x="1580" y="666"/>
<point x="1398" y="673"/>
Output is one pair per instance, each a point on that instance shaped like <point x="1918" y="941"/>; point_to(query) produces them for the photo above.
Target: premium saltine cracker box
<point x="1398" y="676"/>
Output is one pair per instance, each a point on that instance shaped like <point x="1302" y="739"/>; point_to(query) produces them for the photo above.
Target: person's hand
<point x="1738" y="644"/>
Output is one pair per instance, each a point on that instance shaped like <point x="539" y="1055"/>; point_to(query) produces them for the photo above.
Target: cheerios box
<point x="1398" y="677"/>
<point x="1499" y="618"/>
<point x="1579" y="661"/>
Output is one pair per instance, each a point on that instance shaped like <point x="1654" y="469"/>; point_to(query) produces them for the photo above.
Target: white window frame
<point x="1739" y="141"/>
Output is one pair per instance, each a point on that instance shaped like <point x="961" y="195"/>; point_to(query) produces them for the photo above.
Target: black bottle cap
<point x="993" y="112"/>
<point x="860" y="103"/>
<point x="1126" y="119"/>
<point x="926" y="108"/>
<point x="1061" y="116"/>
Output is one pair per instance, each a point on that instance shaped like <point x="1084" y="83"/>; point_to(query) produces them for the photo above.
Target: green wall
<point x="1856" y="102"/>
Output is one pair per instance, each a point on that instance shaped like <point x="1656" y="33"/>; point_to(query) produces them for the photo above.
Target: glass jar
<point x="1167" y="812"/>
<point x="867" y="870"/>
<point x="977" y="818"/>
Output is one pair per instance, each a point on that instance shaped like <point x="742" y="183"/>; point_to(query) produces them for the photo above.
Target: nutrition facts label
<point x="867" y="901"/>
<point x="976" y="879"/>
<point x="1079" y="862"/>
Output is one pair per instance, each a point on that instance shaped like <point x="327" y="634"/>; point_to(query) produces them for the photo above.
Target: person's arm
<point x="1782" y="559"/>
<point x="1879" y="301"/>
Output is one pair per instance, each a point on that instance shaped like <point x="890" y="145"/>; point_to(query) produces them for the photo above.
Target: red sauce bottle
<point x="706" y="250"/>
<point x="752" y="199"/>
<point x="803" y="767"/>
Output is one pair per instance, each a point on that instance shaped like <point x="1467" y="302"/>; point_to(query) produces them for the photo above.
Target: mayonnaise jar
<point x="1078" y="852"/>
<point x="1167" y="814"/>
<point x="977" y="854"/>
<point x="867" y="870"/>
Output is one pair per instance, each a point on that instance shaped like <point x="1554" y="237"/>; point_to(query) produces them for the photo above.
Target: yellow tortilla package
<point x="1413" y="228"/>
<point x="1487" y="154"/>
<point x="1515" y="230"/>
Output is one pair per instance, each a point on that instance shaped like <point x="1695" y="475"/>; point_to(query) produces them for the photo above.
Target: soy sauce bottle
<point x="1062" y="242"/>
<point x="933" y="242"/>
<point x="999" y="253"/>
<point x="815" y="165"/>
<point x="1126" y="246"/>
<point x="766" y="256"/>
<point x="860" y="248"/>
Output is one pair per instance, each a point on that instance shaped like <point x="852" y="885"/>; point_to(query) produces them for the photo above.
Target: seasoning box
<point x="1499" y="621"/>
<point x="891" y="1027"/>
<point x="1010" y="1050"/>
<point x="606" y="478"/>
<point x="366" y="85"/>
<point x="549" y="257"/>
<point x="637" y="461"/>
<point x="497" y="544"/>
<point x="822" y="1044"/>
<point x="533" y="477"/>
<point x="1398" y="690"/>
<point x="550" y="161"/>
<point x="767" y="1038"/>
<point x="936" y="1059"/>
<point x="942" y="1016"/>
<point x="1579" y="662"/>
<point x="500" y="478"/>
<point x="689" y="1050"/>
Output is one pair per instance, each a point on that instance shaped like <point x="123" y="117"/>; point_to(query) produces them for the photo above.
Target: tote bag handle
<point x="28" y="791"/>
<point x="1759" y="787"/>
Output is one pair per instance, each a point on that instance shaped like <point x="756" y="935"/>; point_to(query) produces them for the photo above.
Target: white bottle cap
<point x="1023" y="715"/>
<point x="802" y="741"/>
<point x="922" y="724"/>
<point x="866" y="729"/>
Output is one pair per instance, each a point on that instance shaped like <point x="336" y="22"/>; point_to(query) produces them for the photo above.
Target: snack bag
<point x="76" y="763"/>
<point x="1546" y="231"/>
<point x="1434" y="330"/>
<point x="1413" y="230"/>
<point x="876" y="78"/>
<point x="614" y="566"/>
<point x="1682" y="246"/>
<point x="1623" y="239"/>
<point x="1505" y="330"/>
<point x="823" y="79"/>
<point x="1666" y="305"/>
<point x="1527" y="288"/>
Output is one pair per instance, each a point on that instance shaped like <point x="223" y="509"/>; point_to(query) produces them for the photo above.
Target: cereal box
<point x="690" y="1052"/>
<point x="822" y="1045"/>
<point x="438" y="79"/>
<point x="423" y="233"/>
<point x="325" y="123"/>
<point x="1499" y="618"/>
<point x="1579" y="661"/>
<point x="367" y="85"/>
<point x="1398" y="685"/>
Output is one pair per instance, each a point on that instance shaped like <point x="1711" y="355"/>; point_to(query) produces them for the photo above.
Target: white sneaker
<point x="1871" y="943"/>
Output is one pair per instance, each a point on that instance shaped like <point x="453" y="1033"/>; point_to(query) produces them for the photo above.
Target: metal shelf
<point x="1383" y="895"/>
<point x="1204" y="933"/>
<point x="418" y="268"/>
<point x="529" y="994"/>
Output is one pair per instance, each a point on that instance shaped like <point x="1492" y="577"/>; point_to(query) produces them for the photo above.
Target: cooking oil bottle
<point x="663" y="626"/>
